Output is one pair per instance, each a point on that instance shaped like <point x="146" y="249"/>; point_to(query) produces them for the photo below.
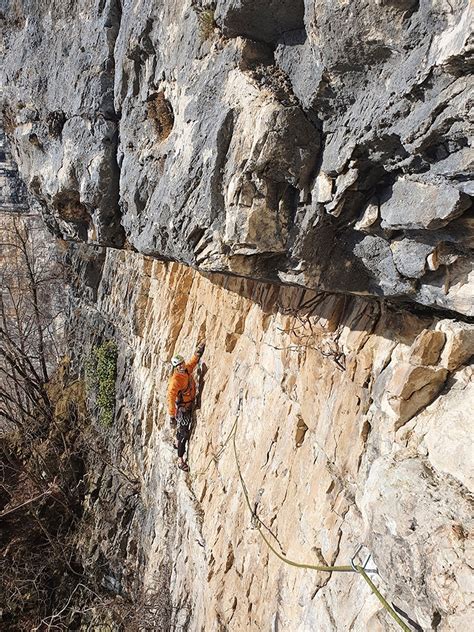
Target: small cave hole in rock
<point x="436" y="620"/>
<point x="301" y="429"/>
<point x="366" y="428"/>
<point x="55" y="121"/>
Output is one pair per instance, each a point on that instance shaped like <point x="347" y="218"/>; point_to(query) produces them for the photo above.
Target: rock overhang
<point x="302" y="156"/>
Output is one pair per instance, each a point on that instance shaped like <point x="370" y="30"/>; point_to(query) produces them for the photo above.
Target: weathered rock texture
<point x="12" y="188"/>
<point x="314" y="143"/>
<point x="322" y="143"/>
<point x="351" y="429"/>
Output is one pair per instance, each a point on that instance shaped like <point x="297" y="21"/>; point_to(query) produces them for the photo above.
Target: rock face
<point x="351" y="429"/>
<point x="306" y="160"/>
<point x="12" y="188"/>
<point x="323" y="144"/>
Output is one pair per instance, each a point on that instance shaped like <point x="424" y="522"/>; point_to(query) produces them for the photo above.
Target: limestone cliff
<point x="318" y="143"/>
<point x="309" y="162"/>
<point x="351" y="429"/>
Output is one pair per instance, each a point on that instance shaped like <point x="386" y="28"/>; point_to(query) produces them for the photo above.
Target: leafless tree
<point x="30" y="317"/>
<point x="44" y="454"/>
<point x="35" y="509"/>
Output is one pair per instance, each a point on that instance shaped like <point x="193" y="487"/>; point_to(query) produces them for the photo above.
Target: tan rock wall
<point x="352" y="429"/>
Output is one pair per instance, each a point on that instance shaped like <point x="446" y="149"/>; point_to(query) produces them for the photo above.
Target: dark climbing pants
<point x="183" y="419"/>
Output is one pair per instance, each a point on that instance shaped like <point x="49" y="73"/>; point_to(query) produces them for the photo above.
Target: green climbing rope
<point x="382" y="599"/>
<point x="315" y="567"/>
<point x="217" y="455"/>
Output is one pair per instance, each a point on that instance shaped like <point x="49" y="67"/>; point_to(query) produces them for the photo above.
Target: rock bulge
<point x="324" y="144"/>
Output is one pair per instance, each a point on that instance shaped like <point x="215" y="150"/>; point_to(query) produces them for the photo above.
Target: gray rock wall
<point x="12" y="189"/>
<point x="322" y="143"/>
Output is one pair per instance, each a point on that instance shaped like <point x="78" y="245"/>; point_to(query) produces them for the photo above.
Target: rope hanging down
<point x="350" y="568"/>
<point x="322" y="568"/>
<point x="215" y="457"/>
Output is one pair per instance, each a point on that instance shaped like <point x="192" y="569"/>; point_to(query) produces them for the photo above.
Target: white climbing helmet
<point x="177" y="360"/>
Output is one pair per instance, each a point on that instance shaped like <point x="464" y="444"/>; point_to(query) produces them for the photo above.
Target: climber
<point x="181" y="394"/>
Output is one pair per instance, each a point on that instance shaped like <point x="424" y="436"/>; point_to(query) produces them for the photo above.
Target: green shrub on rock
<point x="101" y="373"/>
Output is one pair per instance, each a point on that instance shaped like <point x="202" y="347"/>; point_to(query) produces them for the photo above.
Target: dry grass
<point x="159" y="110"/>
<point x="207" y="24"/>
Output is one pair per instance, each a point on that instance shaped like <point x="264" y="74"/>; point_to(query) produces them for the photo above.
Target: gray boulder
<point x="422" y="205"/>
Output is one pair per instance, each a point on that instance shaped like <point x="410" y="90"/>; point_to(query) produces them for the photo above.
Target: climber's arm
<point x="191" y="365"/>
<point x="196" y="357"/>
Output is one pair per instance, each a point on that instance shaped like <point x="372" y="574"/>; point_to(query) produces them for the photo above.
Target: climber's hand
<point x="173" y="421"/>
<point x="200" y="348"/>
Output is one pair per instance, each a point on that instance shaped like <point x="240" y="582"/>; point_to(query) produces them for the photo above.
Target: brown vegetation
<point x="50" y="451"/>
<point x="159" y="110"/>
<point x="30" y="323"/>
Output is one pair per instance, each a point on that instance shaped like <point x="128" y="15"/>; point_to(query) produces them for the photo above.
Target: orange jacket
<point x="182" y="386"/>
